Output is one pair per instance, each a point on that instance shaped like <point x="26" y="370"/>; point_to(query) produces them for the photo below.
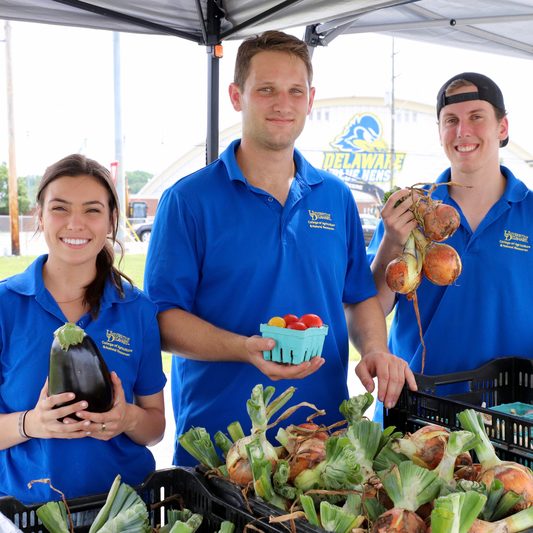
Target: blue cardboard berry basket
<point x="294" y="346"/>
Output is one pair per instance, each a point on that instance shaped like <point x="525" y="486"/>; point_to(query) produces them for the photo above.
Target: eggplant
<point x="76" y="365"/>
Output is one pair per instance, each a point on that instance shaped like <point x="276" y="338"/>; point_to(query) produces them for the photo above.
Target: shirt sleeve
<point x="374" y="243"/>
<point x="173" y="259"/>
<point x="150" y="377"/>
<point x="359" y="284"/>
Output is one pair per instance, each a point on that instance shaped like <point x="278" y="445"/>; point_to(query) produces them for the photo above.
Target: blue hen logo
<point x="362" y="134"/>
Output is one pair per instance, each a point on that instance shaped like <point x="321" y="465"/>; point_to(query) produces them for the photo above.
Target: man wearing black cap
<point x="486" y="312"/>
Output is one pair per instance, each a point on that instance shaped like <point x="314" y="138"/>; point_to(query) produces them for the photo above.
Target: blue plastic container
<point x="522" y="409"/>
<point x="294" y="346"/>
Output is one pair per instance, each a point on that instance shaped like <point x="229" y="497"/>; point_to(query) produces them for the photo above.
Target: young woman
<point x="77" y="282"/>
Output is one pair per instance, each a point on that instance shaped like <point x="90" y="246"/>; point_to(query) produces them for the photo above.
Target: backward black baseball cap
<point x="486" y="90"/>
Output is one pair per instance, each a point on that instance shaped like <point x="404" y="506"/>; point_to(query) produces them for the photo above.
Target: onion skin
<point x="428" y="444"/>
<point x="241" y="472"/>
<point x="399" y="521"/>
<point x="470" y="473"/>
<point x="515" y="477"/>
<point x="440" y="222"/>
<point x="442" y="264"/>
<point x="401" y="275"/>
<point x="307" y="448"/>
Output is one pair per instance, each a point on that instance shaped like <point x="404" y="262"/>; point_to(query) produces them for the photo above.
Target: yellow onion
<point x="440" y="221"/>
<point x="442" y="264"/>
<point x="425" y="447"/>
<point x="239" y="469"/>
<point x="515" y="477"/>
<point x="307" y="447"/>
<point x="403" y="274"/>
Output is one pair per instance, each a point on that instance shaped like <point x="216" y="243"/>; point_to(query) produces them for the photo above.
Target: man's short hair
<point x="270" y="41"/>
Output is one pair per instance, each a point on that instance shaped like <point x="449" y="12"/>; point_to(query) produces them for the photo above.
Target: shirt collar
<point x="305" y="172"/>
<point x="30" y="283"/>
<point x="515" y="190"/>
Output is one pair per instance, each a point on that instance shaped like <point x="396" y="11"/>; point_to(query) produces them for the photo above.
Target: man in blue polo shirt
<point x="259" y="233"/>
<point x="486" y="312"/>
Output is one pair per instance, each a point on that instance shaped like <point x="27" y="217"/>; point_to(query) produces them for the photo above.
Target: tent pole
<point x="214" y="53"/>
<point x="213" y="82"/>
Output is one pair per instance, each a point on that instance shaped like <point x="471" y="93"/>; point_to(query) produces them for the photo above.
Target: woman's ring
<point x="103" y="428"/>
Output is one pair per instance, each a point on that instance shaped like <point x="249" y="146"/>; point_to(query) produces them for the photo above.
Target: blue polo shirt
<point x="486" y="313"/>
<point x="231" y="254"/>
<point x="126" y="332"/>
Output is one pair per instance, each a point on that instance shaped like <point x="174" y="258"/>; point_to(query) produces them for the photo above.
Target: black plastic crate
<point x="172" y="488"/>
<point x="501" y="381"/>
<point x="232" y="494"/>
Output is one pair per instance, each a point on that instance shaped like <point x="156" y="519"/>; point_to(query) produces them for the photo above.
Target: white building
<point x="353" y="138"/>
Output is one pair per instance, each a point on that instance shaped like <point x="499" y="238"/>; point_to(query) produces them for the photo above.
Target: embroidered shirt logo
<point x="515" y="241"/>
<point x="116" y="342"/>
<point x="320" y="220"/>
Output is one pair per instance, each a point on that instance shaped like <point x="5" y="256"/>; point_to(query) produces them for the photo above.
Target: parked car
<point x="369" y="223"/>
<point x="143" y="231"/>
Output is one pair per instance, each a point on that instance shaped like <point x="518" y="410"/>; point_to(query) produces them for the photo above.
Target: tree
<point x="136" y="179"/>
<point x="23" y="200"/>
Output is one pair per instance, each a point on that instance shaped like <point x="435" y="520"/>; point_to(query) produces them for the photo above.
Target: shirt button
<point x="270" y="199"/>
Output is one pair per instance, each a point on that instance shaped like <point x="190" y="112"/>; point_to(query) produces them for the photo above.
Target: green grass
<point x="133" y="266"/>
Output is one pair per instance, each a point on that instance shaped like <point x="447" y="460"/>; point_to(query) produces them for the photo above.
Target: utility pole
<point x="392" y="118"/>
<point x="11" y="164"/>
<point x="119" y="158"/>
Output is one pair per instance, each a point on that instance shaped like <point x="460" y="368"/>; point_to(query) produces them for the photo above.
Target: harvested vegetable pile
<point x="423" y="253"/>
<point x="355" y="476"/>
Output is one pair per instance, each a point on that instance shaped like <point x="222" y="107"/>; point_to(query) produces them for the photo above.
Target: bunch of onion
<point x="422" y="253"/>
<point x="513" y="476"/>
<point x="456" y="512"/>
<point x="409" y="486"/>
<point x="440" y="263"/>
<point x="426" y="447"/>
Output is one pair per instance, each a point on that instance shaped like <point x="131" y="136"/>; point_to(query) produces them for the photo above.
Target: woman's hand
<point x="105" y="426"/>
<point x="42" y="422"/>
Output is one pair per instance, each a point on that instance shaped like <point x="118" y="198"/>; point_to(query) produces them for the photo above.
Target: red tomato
<point x="311" y="321"/>
<point x="289" y="319"/>
<point x="296" y="325"/>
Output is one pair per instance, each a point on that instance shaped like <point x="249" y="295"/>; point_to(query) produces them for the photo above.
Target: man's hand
<point x="398" y="218"/>
<point x="391" y="371"/>
<point x="275" y="371"/>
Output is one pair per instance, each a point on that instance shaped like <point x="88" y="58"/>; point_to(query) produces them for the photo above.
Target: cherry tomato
<point x="297" y="325"/>
<point x="289" y="319"/>
<point x="277" y="321"/>
<point x="311" y="321"/>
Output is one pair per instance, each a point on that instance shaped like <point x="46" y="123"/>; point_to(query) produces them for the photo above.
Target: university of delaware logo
<point x="116" y="342"/>
<point x="361" y="152"/>
<point x="515" y="241"/>
<point x="320" y="220"/>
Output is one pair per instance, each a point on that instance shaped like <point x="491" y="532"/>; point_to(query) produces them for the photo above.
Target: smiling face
<point x="275" y="100"/>
<point x="75" y="219"/>
<point x="470" y="133"/>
